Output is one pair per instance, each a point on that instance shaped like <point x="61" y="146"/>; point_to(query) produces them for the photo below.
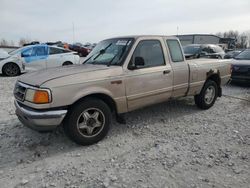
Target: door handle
<point x="166" y="71"/>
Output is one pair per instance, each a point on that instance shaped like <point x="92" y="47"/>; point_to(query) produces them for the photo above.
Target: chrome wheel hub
<point x="209" y="95"/>
<point x="11" y="70"/>
<point x="90" y="122"/>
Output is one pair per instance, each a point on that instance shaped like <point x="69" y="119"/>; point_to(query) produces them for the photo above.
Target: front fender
<point x="91" y="91"/>
<point x="68" y="95"/>
<point x="11" y="60"/>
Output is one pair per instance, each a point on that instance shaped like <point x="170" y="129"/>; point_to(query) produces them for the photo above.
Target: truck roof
<point x="141" y="36"/>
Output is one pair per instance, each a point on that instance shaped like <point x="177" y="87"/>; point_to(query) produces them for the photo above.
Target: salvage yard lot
<point x="173" y="144"/>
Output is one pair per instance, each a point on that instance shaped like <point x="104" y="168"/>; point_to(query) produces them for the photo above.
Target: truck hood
<point x="37" y="78"/>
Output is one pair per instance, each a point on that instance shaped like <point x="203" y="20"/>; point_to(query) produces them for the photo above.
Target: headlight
<point x="38" y="96"/>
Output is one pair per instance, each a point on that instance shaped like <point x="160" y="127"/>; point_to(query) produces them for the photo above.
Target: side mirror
<point x="139" y="61"/>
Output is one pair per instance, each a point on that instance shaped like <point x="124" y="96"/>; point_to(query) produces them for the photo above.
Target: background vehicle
<point x="3" y="54"/>
<point x="35" y="57"/>
<point x="80" y="49"/>
<point x="32" y="43"/>
<point x="241" y="67"/>
<point x="203" y="50"/>
<point x="232" y="54"/>
<point x="89" y="46"/>
<point x="120" y="75"/>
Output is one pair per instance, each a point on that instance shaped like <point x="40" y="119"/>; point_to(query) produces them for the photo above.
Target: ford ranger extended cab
<point x="118" y="76"/>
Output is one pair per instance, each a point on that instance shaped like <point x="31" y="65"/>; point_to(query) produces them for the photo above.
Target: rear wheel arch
<point x="215" y="77"/>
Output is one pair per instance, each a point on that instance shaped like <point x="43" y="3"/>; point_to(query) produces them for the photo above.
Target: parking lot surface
<point x="173" y="144"/>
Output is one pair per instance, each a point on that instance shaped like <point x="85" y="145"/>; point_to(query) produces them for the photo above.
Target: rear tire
<point x="207" y="96"/>
<point x="67" y="63"/>
<point x="88" y="121"/>
<point x="11" y="69"/>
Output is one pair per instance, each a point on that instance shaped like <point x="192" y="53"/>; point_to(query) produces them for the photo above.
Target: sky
<point x="94" y="20"/>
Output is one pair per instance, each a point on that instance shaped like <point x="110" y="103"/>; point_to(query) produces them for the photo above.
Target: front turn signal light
<point x="38" y="96"/>
<point x="41" y="97"/>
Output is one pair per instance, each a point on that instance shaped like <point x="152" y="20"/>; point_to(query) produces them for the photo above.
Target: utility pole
<point x="73" y="32"/>
<point x="177" y="30"/>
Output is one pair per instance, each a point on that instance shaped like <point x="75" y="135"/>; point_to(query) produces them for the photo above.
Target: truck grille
<point x="19" y="91"/>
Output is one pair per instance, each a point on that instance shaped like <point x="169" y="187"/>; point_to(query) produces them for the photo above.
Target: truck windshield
<point x="109" y="52"/>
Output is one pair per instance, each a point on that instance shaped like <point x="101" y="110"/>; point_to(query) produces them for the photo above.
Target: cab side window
<point x="149" y="54"/>
<point x="175" y="50"/>
<point x="39" y="51"/>
<point x="53" y="51"/>
<point x="27" y="52"/>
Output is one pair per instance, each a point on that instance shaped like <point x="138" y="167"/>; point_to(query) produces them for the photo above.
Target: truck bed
<point x="202" y="68"/>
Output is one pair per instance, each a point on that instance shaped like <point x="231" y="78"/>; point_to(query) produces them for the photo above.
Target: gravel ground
<point x="173" y="144"/>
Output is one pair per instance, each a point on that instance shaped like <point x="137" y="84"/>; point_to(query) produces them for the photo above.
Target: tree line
<point x="21" y="42"/>
<point x="242" y="39"/>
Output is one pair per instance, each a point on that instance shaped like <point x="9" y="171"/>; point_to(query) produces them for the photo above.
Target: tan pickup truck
<point x="119" y="75"/>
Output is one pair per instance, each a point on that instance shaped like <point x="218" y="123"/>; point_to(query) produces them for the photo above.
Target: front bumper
<point x="39" y="120"/>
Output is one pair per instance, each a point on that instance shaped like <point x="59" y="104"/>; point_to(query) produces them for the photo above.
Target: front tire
<point x="88" y="121"/>
<point x="11" y="69"/>
<point x="207" y="96"/>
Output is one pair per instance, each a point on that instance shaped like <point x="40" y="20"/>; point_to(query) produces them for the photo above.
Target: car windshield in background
<point x="15" y="51"/>
<point x="109" y="52"/>
<point x="191" y="49"/>
<point x="245" y="55"/>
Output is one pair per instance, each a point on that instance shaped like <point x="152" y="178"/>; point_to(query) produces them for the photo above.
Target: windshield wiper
<point x="123" y="50"/>
<point x="102" y="51"/>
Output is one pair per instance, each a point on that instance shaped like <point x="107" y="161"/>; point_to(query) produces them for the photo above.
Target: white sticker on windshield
<point x="122" y="42"/>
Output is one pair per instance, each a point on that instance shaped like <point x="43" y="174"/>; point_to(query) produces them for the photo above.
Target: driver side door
<point x="149" y="83"/>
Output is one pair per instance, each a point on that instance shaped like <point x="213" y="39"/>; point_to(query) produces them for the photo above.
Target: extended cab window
<point x="57" y="51"/>
<point x="175" y="50"/>
<point x="149" y="53"/>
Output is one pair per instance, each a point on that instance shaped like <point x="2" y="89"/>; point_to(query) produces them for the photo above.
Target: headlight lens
<point x="38" y="96"/>
<point x="29" y="96"/>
